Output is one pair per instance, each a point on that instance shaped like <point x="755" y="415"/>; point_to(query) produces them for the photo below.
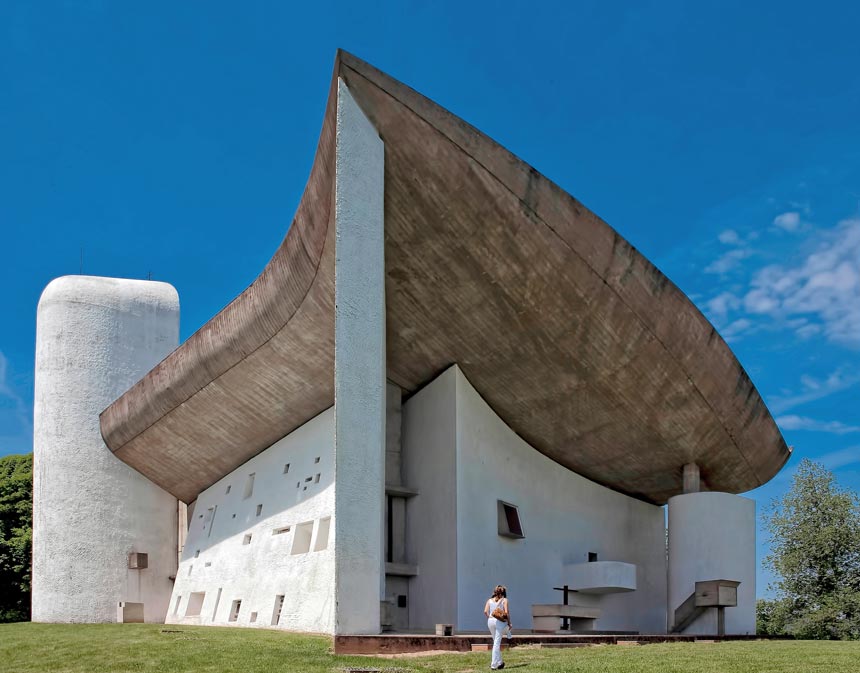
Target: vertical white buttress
<point x="359" y="383"/>
<point x="95" y="337"/>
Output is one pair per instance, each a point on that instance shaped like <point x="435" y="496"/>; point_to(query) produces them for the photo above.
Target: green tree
<point x="16" y="536"/>
<point x="815" y="553"/>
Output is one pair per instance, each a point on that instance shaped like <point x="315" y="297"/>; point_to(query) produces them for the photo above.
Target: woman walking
<point x="498" y="615"/>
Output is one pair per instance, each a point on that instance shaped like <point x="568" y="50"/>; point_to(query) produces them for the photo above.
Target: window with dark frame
<point x="509" y="521"/>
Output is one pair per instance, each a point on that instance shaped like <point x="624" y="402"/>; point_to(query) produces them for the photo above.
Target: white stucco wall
<point x="564" y="516"/>
<point x="429" y="466"/>
<point x="712" y="536"/>
<point x="215" y="555"/>
<point x="95" y="337"/>
<point x="359" y="381"/>
<point x="461" y="458"/>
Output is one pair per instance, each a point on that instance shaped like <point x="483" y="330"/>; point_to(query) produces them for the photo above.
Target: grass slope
<point x="115" y="648"/>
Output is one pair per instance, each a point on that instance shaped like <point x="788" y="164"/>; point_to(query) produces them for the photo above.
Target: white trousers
<point x="497" y="628"/>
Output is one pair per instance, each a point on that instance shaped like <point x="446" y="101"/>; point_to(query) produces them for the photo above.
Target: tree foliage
<point x="815" y="553"/>
<point x="16" y="536"/>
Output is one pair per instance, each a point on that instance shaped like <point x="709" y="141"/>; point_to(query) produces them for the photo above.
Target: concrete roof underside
<point x="579" y="344"/>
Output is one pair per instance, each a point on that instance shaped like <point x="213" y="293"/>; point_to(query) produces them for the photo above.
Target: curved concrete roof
<point x="575" y="339"/>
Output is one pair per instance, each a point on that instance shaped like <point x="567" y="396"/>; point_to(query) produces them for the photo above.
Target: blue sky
<point x="721" y="139"/>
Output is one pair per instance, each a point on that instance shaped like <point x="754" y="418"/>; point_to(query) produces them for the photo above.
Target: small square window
<point x="259" y="509"/>
<point x="509" y="521"/>
<point x="317" y="478"/>
<point x="246" y="539"/>
<point x="197" y="553"/>
<point x="316" y="460"/>
<point x="287" y="468"/>
<point x="592" y="556"/>
<point x="253" y="617"/>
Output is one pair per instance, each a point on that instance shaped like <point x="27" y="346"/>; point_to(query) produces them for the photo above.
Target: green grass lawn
<point x="25" y="648"/>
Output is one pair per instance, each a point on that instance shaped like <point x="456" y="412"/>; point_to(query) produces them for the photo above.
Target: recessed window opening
<point x="253" y="617"/>
<point x="592" y="556"/>
<point x="195" y="603"/>
<point x="322" y="534"/>
<point x="317" y="478"/>
<point x="234" y="516"/>
<point x="287" y="468"/>
<point x="308" y="479"/>
<point x="316" y="460"/>
<point x="190" y="568"/>
<point x="509" y="521"/>
<point x="259" y="509"/>
<point x="281" y="530"/>
<point x="302" y="538"/>
<point x="217" y="601"/>
<point x="298" y="483"/>
<point x="276" y="613"/>
<point x="176" y="605"/>
<point x="207" y="564"/>
<point x="210" y="519"/>
<point x="234" y="610"/>
<point x="229" y="486"/>
<point x="247" y="539"/>
<point x="249" y="486"/>
<point x="197" y="553"/>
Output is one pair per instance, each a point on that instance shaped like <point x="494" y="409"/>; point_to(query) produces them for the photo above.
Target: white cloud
<point x="824" y="288"/>
<point x="792" y="422"/>
<point x="728" y="261"/>
<point x="840" y="458"/>
<point x="720" y="305"/>
<point x="815" y="389"/>
<point x="788" y="221"/>
<point x="729" y="237"/>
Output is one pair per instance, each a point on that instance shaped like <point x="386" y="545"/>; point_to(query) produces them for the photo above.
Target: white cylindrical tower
<point x="95" y="337"/>
<point x="712" y="537"/>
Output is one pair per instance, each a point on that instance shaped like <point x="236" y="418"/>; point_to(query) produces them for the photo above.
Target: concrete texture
<point x="94" y="338"/>
<point x="359" y="373"/>
<point x="219" y="567"/>
<point x="572" y="337"/>
<point x="712" y="536"/>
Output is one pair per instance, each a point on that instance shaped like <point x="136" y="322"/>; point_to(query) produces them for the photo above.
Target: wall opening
<point x="247" y="539"/>
<point x="276" y="613"/>
<point x="195" y="603"/>
<point x="210" y="519"/>
<point x="249" y="486"/>
<point x="259" y="509"/>
<point x="302" y="538"/>
<point x="228" y="489"/>
<point x="322" y="534"/>
<point x="317" y="478"/>
<point x="234" y="610"/>
<point x="176" y="605"/>
<point x="287" y="468"/>
<point x="316" y="460"/>
<point x="281" y="530"/>
<point x="217" y="601"/>
<point x="592" y="557"/>
<point x="509" y="521"/>
<point x="253" y="617"/>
